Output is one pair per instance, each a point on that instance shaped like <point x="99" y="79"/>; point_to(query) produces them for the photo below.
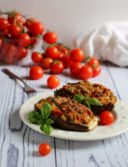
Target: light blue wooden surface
<point x="19" y="144"/>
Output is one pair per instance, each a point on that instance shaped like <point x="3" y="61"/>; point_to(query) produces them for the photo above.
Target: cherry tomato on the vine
<point x="77" y="55"/>
<point x="3" y="23"/>
<point x="53" y="81"/>
<point x="96" y="71"/>
<point x="22" y="52"/>
<point x="66" y="61"/>
<point x="57" y="67"/>
<point x="46" y="62"/>
<point x="93" y="62"/>
<point x="36" y="72"/>
<point x="50" y="37"/>
<point x="75" y="68"/>
<point x="44" y="149"/>
<point x="14" y="30"/>
<point x="86" y="72"/>
<point x="36" y="57"/>
<point x="106" y="118"/>
<point x="24" y="40"/>
<point x="52" y="52"/>
<point x="15" y="17"/>
<point x="36" y="28"/>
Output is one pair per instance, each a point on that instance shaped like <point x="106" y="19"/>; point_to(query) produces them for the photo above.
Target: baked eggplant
<point x="68" y="114"/>
<point x="104" y="95"/>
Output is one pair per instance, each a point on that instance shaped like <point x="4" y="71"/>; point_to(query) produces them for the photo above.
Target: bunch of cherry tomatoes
<point x="17" y="34"/>
<point x="56" y="57"/>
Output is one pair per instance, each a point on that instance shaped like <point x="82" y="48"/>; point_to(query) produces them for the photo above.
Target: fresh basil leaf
<point x="49" y="121"/>
<point x="94" y="101"/>
<point x="79" y="98"/>
<point x="46" y="111"/>
<point x="47" y="129"/>
<point x="87" y="104"/>
<point x="35" y="117"/>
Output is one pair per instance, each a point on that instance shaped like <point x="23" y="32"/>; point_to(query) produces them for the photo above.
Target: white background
<point x="70" y="18"/>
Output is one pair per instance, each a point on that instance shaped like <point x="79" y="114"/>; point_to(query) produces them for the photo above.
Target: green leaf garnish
<point x="79" y="98"/>
<point x="46" y="111"/>
<point x="42" y="118"/>
<point x="94" y="101"/>
<point x="88" y="101"/>
<point x="46" y="128"/>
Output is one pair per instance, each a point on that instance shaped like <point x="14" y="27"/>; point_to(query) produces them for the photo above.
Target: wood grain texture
<point x="19" y="144"/>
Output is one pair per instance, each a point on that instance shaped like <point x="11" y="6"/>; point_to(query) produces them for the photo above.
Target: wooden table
<point x="19" y="144"/>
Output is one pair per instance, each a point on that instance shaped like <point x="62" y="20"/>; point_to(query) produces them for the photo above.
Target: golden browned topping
<point x="103" y="94"/>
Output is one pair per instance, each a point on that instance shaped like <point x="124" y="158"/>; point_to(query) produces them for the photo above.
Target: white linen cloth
<point x="108" y="42"/>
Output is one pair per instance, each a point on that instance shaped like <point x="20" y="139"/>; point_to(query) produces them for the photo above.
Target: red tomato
<point x="15" y="17"/>
<point x="46" y="62"/>
<point x="3" y="23"/>
<point x="106" y="118"/>
<point x="57" y="67"/>
<point x="75" y="68"/>
<point x="52" y="52"/>
<point x="50" y="37"/>
<point x="29" y="21"/>
<point x="14" y="30"/>
<point x="11" y="54"/>
<point x="33" y="41"/>
<point x="36" y="72"/>
<point x="36" y="57"/>
<point x="53" y="82"/>
<point x="22" y="52"/>
<point x="24" y="40"/>
<point x="93" y="62"/>
<point x="77" y="55"/>
<point x="86" y="72"/>
<point x="36" y="28"/>
<point x="66" y="61"/>
<point x="44" y="149"/>
<point x="96" y="71"/>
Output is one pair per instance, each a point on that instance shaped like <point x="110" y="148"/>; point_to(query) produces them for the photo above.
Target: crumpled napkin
<point x="108" y="42"/>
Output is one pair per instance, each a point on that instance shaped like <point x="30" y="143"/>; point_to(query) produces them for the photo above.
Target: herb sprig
<point x="42" y="118"/>
<point x="88" y="101"/>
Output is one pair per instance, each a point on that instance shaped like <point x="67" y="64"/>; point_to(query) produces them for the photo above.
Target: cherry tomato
<point x="50" y="37"/>
<point x="36" y="72"/>
<point x="22" y="52"/>
<point x="77" y="55"/>
<point x="36" y="57"/>
<point x="10" y="54"/>
<point x="46" y="62"/>
<point x="96" y="71"/>
<point x="57" y="67"/>
<point x="86" y="72"/>
<point x="52" y="52"/>
<point x="66" y="61"/>
<point x="3" y="23"/>
<point x="75" y="68"/>
<point x="44" y="149"/>
<point x="33" y="41"/>
<point x="93" y="62"/>
<point x="24" y="40"/>
<point x="29" y="21"/>
<point x="53" y="81"/>
<point x="15" y="17"/>
<point x="14" y="30"/>
<point x="36" y="28"/>
<point x="106" y="118"/>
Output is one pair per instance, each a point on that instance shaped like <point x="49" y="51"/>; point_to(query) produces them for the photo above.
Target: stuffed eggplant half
<point x="68" y="114"/>
<point x="92" y="90"/>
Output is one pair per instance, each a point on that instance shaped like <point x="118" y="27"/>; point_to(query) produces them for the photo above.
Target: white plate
<point x="100" y="132"/>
